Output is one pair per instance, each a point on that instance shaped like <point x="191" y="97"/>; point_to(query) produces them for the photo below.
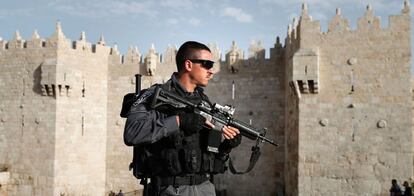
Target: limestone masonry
<point x="339" y="103"/>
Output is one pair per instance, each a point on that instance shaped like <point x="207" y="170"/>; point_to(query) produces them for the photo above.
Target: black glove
<point x="191" y="123"/>
<point x="233" y="143"/>
<point x="228" y="144"/>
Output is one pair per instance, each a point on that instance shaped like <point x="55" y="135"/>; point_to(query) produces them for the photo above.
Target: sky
<point x="140" y="23"/>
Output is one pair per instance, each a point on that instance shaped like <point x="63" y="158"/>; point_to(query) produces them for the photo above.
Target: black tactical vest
<point x="178" y="154"/>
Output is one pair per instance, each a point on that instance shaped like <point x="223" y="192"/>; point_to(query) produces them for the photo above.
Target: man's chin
<point x="203" y="84"/>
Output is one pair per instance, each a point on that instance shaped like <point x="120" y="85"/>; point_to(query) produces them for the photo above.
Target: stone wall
<point x="256" y="90"/>
<point x="337" y="103"/>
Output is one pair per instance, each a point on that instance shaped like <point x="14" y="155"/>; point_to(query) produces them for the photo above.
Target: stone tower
<point x="349" y="127"/>
<point x="51" y="136"/>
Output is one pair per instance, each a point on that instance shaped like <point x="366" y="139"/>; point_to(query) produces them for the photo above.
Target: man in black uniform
<point x="176" y="159"/>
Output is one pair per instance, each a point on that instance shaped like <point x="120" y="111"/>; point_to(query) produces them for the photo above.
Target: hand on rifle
<point x="191" y="123"/>
<point x="228" y="131"/>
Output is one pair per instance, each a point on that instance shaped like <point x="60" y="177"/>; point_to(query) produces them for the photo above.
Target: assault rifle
<point x="217" y="114"/>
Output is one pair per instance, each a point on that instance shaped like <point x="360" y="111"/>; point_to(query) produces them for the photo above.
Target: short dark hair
<point x="186" y="51"/>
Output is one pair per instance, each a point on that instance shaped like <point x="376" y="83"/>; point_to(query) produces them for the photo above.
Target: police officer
<point x="176" y="159"/>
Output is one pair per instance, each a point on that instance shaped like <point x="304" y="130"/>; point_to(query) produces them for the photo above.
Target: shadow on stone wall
<point x="37" y="75"/>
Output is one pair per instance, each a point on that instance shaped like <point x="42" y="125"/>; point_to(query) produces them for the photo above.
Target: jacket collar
<point x="177" y="85"/>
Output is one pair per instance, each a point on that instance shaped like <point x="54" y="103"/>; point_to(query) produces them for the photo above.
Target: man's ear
<point x="188" y="66"/>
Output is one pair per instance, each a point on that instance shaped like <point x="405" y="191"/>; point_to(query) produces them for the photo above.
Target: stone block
<point x="4" y="177"/>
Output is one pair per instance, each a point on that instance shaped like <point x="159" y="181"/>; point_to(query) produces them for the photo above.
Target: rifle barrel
<point x="250" y="132"/>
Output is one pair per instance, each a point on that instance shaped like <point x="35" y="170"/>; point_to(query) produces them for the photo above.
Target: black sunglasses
<point x="204" y="63"/>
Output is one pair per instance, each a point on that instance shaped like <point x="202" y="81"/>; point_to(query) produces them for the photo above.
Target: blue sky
<point x="162" y="22"/>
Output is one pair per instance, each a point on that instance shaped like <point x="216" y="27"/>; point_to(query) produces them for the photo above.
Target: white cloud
<point x="16" y="12"/>
<point x="194" y="21"/>
<point x="237" y="14"/>
<point x="282" y="3"/>
<point x="103" y="8"/>
<point x="321" y="17"/>
<point x="172" y="21"/>
<point x="178" y="4"/>
<point x="191" y="21"/>
<point x="131" y="8"/>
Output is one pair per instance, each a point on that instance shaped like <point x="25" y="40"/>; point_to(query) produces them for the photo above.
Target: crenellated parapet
<point x="35" y="41"/>
<point x="2" y="44"/>
<point x="256" y="51"/>
<point x="406" y="8"/>
<point x="216" y="56"/>
<point x="306" y="29"/>
<point x="215" y="51"/>
<point x="369" y="21"/>
<point x="82" y="44"/>
<point x="16" y="42"/>
<point x="401" y="22"/>
<point x="115" y="56"/>
<point x="277" y="50"/>
<point x="338" y="24"/>
<point x="233" y="58"/>
<point x="169" y="55"/>
<point x="291" y="40"/>
<point x="133" y="56"/>
<point x="151" y="61"/>
<point x="306" y="32"/>
<point x="57" y="41"/>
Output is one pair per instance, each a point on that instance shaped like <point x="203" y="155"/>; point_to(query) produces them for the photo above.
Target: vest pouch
<point x="172" y="162"/>
<point x="176" y="139"/>
<point x="138" y="164"/>
<point x="208" y="162"/>
<point x="192" y="159"/>
<point x="154" y="166"/>
<point x="220" y="164"/>
<point x="144" y="163"/>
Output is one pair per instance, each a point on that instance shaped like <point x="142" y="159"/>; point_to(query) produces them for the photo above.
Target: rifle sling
<point x="253" y="159"/>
